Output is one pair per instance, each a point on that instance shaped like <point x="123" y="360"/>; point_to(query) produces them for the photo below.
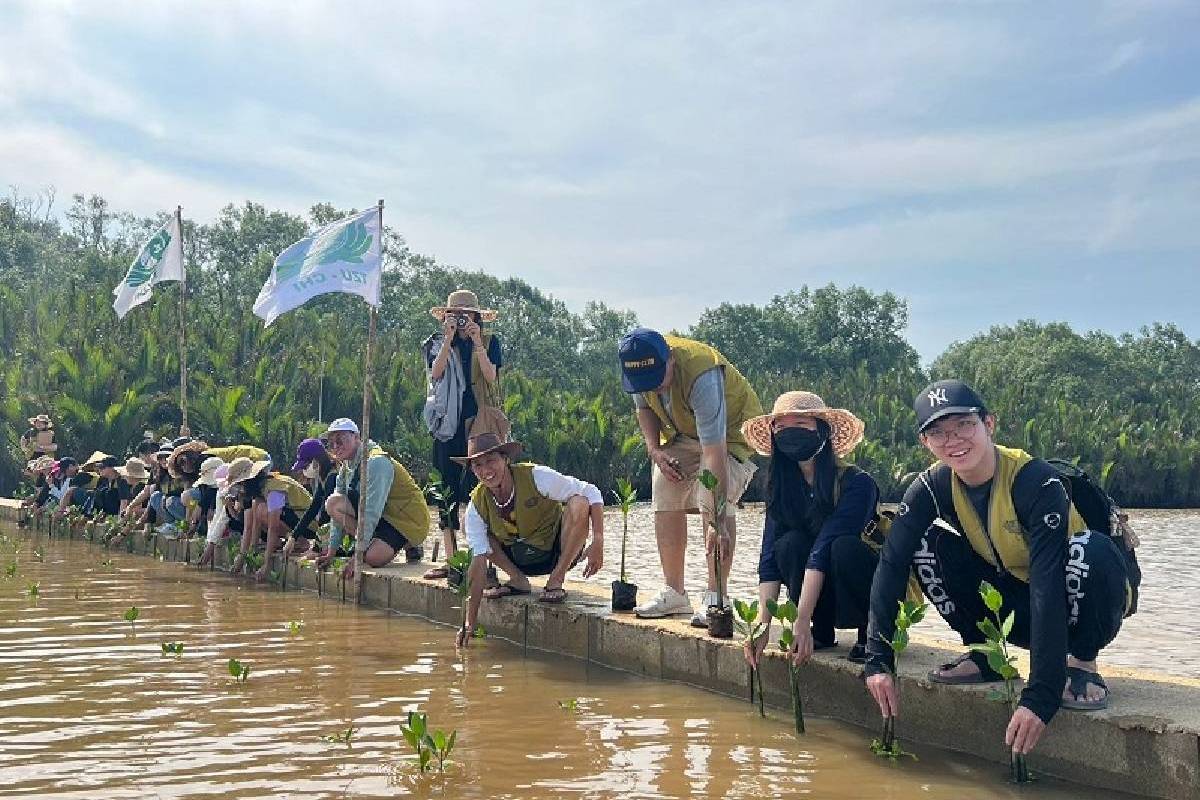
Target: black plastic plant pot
<point x="453" y="577"/>
<point x="720" y="622"/>
<point x="624" y="596"/>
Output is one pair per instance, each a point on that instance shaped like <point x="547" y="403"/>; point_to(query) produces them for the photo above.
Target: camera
<point x="460" y="320"/>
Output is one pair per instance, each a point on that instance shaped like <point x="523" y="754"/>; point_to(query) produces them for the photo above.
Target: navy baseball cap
<point x="643" y="354"/>
<point x="943" y="398"/>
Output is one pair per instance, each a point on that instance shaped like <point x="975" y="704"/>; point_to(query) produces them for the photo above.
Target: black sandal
<point x="986" y="673"/>
<point x="1077" y="680"/>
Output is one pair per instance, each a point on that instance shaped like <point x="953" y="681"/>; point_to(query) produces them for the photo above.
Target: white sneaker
<point x="666" y="603"/>
<point x="700" y="618"/>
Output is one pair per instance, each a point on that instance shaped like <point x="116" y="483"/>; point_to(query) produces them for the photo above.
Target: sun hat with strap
<point x="845" y="429"/>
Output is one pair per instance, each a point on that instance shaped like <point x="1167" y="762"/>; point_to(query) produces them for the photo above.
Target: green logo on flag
<point x="345" y="245"/>
<point x="143" y="269"/>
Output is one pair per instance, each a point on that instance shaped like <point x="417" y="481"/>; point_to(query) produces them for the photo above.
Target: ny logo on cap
<point x="937" y="396"/>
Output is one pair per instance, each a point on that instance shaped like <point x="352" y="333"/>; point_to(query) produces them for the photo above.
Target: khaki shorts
<point x="689" y="494"/>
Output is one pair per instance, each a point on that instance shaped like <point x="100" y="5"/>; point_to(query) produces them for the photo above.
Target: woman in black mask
<point x="817" y="509"/>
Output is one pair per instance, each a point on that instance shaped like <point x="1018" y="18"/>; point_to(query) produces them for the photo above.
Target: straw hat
<point x="846" y="430"/>
<point x="194" y="446"/>
<point x="208" y="471"/>
<point x="42" y="418"/>
<point x="486" y="443"/>
<point x="40" y="464"/>
<point x="243" y="469"/>
<point x="463" y="300"/>
<point x="95" y="458"/>
<point x="134" y="468"/>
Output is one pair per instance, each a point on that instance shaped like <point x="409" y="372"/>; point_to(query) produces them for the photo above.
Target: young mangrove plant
<point x="720" y="618"/>
<point x="131" y="614"/>
<point x="10" y="571"/>
<point x="342" y="737"/>
<point x="570" y="704"/>
<point x="172" y="649"/>
<point x="34" y="589"/>
<point x="1003" y="662"/>
<point x="624" y="594"/>
<point x="427" y="744"/>
<point x="908" y="614"/>
<point x="39" y="555"/>
<point x="438" y="494"/>
<point x="459" y="566"/>
<point x="786" y="614"/>
<point x="294" y="627"/>
<point x="238" y="670"/>
<point x="749" y="626"/>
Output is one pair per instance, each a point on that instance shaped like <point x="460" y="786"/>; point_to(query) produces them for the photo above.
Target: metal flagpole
<point x="366" y="425"/>
<point x="184" y="430"/>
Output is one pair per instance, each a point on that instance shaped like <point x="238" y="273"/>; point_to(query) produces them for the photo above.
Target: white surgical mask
<point x="311" y="470"/>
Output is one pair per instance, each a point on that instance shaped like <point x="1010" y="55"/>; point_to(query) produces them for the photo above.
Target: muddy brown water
<point x="1161" y="636"/>
<point x="91" y="708"/>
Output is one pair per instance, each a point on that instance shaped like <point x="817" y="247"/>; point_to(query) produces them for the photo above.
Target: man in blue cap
<point x="691" y="403"/>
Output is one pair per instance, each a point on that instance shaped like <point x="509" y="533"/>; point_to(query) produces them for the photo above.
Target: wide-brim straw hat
<point x="845" y="429"/>
<point x="208" y="471"/>
<point x="194" y="446"/>
<point x="463" y="300"/>
<point x="243" y="469"/>
<point x="43" y="419"/>
<point x="486" y="443"/>
<point x="134" y="468"/>
<point x="40" y="464"/>
<point x="95" y="458"/>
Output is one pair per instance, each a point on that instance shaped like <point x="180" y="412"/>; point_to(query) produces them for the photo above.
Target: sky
<point x="987" y="161"/>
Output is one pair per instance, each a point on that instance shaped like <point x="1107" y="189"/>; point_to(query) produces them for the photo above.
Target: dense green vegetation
<point x="1126" y="406"/>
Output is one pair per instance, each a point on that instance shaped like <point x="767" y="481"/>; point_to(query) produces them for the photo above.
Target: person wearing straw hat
<point x="95" y="474"/>
<point x="134" y="476"/>
<point x="987" y="512"/>
<point x="201" y="499"/>
<point x="690" y="404"/>
<point x="395" y="516"/>
<point x="273" y="504"/>
<point x="39" y="439"/>
<point x="38" y="469"/>
<point x="818" y="507"/>
<point x="161" y="484"/>
<point x="526" y="519"/>
<point x="464" y="366"/>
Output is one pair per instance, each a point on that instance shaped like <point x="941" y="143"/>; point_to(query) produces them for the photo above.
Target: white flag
<point x="344" y="256"/>
<point x="160" y="260"/>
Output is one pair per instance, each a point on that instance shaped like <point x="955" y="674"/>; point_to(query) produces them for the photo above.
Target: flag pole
<point x="184" y="430"/>
<point x="372" y="313"/>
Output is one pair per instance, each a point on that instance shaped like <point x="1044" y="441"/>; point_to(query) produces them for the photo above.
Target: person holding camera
<point x="464" y="399"/>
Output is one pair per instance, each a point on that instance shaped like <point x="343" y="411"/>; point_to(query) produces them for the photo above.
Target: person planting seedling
<point x="999" y="659"/>
<point x="786" y="614"/>
<point x="749" y="626"/>
<point x="624" y="594"/>
<point x="908" y="614"/>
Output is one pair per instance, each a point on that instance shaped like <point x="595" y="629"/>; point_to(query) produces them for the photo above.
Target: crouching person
<point x="272" y="504"/>
<point x="395" y="516"/>
<point x="986" y="512"/>
<point x="528" y="520"/>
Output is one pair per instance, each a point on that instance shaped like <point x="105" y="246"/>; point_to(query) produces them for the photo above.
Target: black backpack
<point x="1102" y="514"/>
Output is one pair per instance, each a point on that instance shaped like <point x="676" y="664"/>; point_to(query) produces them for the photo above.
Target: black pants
<point x="950" y="572"/>
<point x="459" y="480"/>
<point x="845" y="599"/>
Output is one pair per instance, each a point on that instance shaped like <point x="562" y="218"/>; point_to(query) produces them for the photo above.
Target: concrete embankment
<point x="1147" y="743"/>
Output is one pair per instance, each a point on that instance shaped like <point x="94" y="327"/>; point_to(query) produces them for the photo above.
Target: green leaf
<point x="450" y="742"/>
<point x="900" y="641"/>
<point x="1007" y="626"/>
<point x="989" y="629"/>
<point x="773" y="609"/>
<point x="708" y="480"/>
<point x="131" y="614"/>
<point x="410" y="736"/>
<point x="997" y="661"/>
<point x="991" y="596"/>
<point x="439" y="740"/>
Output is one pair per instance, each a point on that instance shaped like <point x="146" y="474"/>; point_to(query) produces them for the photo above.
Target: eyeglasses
<point x="959" y="429"/>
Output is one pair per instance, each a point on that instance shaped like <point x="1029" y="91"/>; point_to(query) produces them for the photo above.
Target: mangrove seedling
<point x="1003" y="662"/>
<point x="751" y="629"/>
<point x="786" y="614"/>
<point x="294" y="627"/>
<point x="460" y="564"/>
<point x="438" y="494"/>
<point x="238" y="670"/>
<point x="570" y="704"/>
<point x="131" y="614"/>
<point x="342" y="737"/>
<point x="441" y="744"/>
<point x="33" y="589"/>
<point x="908" y="614"/>
<point x="39" y="555"/>
<point x="10" y="571"/>
<point x="427" y="744"/>
<point x="172" y="649"/>
<point x="624" y="594"/>
<point x="720" y="618"/>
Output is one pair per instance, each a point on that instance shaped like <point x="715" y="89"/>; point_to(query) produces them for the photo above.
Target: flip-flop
<point x="503" y="590"/>
<point x="1077" y="681"/>
<point x="986" y="673"/>
<point x="436" y="573"/>
<point x="556" y="595"/>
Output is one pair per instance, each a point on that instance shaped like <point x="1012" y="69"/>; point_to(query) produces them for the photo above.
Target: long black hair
<point x="788" y="493"/>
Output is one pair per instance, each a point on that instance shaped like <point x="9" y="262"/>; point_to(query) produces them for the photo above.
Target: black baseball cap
<point x="66" y="463"/>
<point x="109" y="461"/>
<point x="643" y="354"/>
<point x="943" y="398"/>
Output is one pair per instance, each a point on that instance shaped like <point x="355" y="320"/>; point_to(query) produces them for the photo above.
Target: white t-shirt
<point x="551" y="484"/>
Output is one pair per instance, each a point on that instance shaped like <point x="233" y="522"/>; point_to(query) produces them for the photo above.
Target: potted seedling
<point x="748" y="626"/>
<point x="908" y="614"/>
<point x="1000" y="660"/>
<point x="786" y="614"/>
<point x="624" y="594"/>
<point x="238" y="670"/>
<point x="720" y="616"/>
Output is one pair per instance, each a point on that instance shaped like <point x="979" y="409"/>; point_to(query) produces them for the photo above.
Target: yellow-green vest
<point x="537" y="516"/>
<point x="692" y="359"/>
<point x="405" y="508"/>
<point x="298" y="498"/>
<point x="228" y="454"/>
<point x="1003" y="535"/>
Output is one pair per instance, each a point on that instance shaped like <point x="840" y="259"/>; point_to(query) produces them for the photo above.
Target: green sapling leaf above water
<point x="1003" y="662"/>
<point x="570" y="704"/>
<point x="10" y="571"/>
<point x="172" y="649"/>
<point x="786" y="613"/>
<point x="748" y="625"/>
<point x="34" y="589"/>
<point x="626" y="496"/>
<point x="238" y="670"/>
<point x="342" y="737"/>
<point x="294" y="627"/>
<point x="908" y="614"/>
<point x="39" y="555"/>
<point x="131" y="614"/>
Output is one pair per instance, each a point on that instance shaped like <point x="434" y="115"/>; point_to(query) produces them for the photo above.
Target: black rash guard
<point x="1037" y="492"/>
